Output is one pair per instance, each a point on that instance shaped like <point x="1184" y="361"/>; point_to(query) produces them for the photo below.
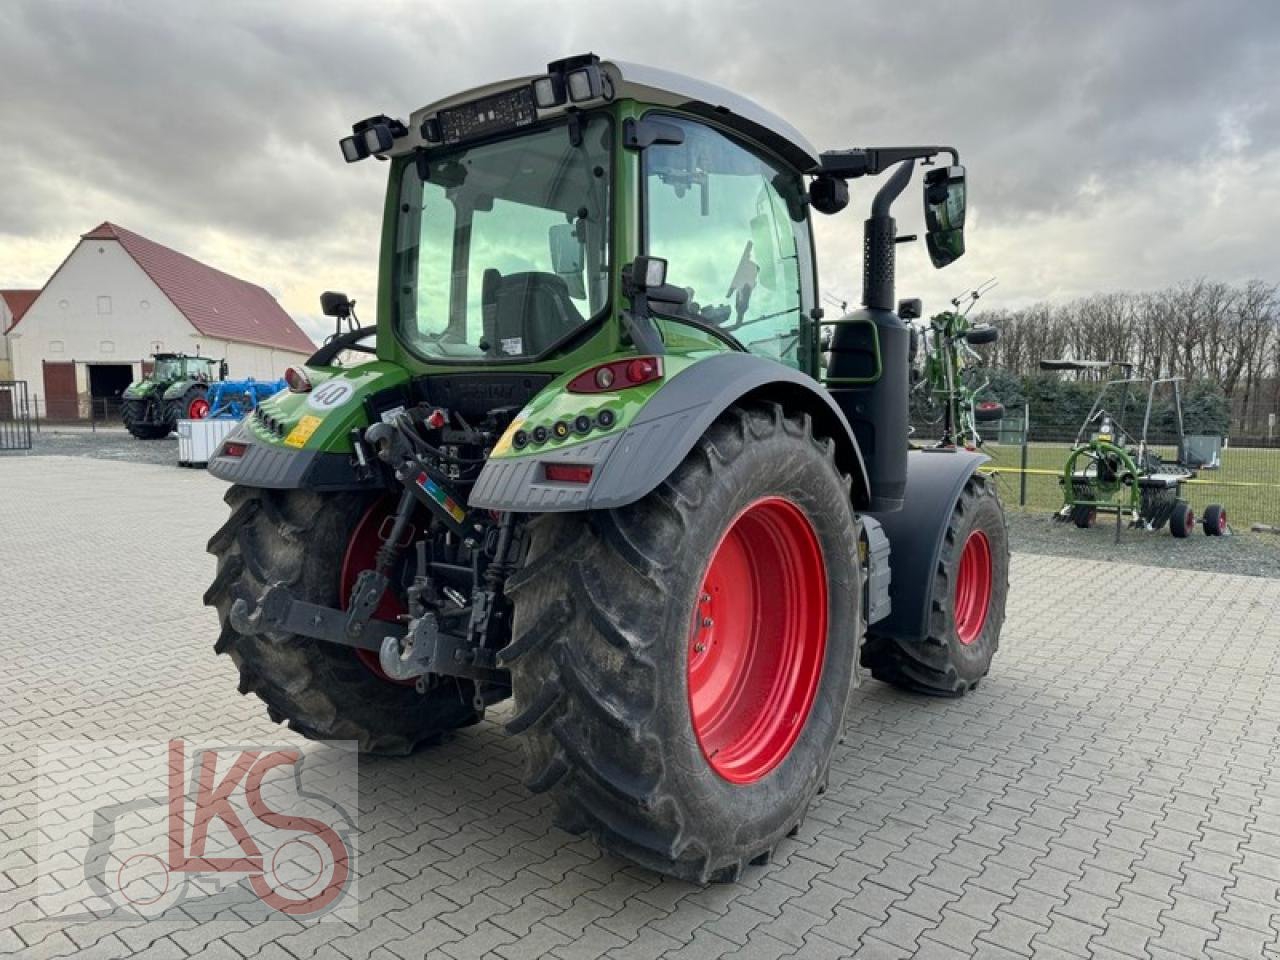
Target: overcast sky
<point x="1109" y="145"/>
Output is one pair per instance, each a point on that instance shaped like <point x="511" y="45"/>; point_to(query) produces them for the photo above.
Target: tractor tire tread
<point x="588" y="723"/>
<point x="322" y="691"/>
<point x="926" y="666"/>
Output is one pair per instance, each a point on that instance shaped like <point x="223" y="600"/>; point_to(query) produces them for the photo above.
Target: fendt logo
<point x="269" y="828"/>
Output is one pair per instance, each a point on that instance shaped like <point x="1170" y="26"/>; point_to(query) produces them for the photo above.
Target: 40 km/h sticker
<point x="333" y="393"/>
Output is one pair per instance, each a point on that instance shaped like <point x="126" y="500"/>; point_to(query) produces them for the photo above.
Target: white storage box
<point x="198" y="439"/>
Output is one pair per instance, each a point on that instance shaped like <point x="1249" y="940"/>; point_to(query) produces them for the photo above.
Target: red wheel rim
<point x="198" y="409"/>
<point x="362" y="551"/>
<point x="973" y="587"/>
<point x="1222" y="519"/>
<point x="757" y="640"/>
<point x="1191" y="519"/>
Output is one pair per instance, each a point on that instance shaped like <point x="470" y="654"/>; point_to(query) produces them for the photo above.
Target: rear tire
<point x="322" y="690"/>
<point x="1183" y="519"/>
<point x="1215" y="520"/>
<point x="957" y="653"/>
<point x="133" y="413"/>
<point x="604" y="660"/>
<point x="192" y="405"/>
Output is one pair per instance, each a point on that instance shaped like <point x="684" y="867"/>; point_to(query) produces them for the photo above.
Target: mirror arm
<point x="859" y="162"/>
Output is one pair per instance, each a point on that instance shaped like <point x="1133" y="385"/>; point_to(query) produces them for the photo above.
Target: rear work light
<point x="569" y="472"/>
<point x="297" y="380"/>
<point x="617" y="375"/>
<point x="234" y="450"/>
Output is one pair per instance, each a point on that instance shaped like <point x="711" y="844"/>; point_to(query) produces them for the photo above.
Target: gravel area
<point x="1245" y="553"/>
<point x="1242" y="552"/>
<point x="105" y="443"/>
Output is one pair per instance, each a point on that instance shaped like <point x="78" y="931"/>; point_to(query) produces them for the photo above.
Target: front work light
<point x="548" y="92"/>
<point x="353" y="149"/>
<point x="585" y="84"/>
<point x="378" y="139"/>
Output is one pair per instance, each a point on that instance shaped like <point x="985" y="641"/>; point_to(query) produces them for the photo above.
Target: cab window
<point x="732" y="228"/>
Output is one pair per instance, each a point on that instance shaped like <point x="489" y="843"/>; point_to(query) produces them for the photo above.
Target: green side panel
<point x="140" y="390"/>
<point x="323" y="418"/>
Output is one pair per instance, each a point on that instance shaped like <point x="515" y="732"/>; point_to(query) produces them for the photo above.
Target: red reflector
<point x="234" y="449"/>
<point x="617" y="375"/>
<point x="568" y="472"/>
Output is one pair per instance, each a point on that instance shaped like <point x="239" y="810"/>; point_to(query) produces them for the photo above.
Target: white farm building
<point x="117" y="299"/>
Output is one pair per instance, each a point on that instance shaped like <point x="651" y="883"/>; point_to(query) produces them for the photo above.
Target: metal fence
<point x="1028" y="460"/>
<point x="15" y="415"/>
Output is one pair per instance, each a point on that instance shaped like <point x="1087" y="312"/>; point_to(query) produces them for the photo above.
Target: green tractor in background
<point x="174" y="389"/>
<point x="591" y="466"/>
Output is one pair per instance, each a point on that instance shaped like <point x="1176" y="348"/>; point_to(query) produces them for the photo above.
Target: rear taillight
<point x="569" y="472"/>
<point x="297" y="380"/>
<point x="233" y="449"/>
<point x="617" y="375"/>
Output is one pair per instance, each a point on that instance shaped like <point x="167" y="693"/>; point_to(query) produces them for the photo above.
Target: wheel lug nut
<point x="707" y="621"/>
<point x="699" y="648"/>
<point x="706" y="598"/>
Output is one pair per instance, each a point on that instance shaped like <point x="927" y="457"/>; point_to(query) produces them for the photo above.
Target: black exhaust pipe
<point x="871" y="346"/>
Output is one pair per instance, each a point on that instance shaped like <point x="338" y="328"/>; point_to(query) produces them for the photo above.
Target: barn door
<point x="60" y="400"/>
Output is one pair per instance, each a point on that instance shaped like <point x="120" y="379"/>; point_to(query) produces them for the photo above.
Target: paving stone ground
<point x="1106" y="792"/>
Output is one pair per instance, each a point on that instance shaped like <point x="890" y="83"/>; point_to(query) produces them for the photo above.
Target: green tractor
<point x="591" y="467"/>
<point x="173" y="390"/>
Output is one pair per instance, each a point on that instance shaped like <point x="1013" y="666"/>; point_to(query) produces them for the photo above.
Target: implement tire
<point x="322" y="690"/>
<point x="133" y="413"/>
<point x="970" y="587"/>
<point x="637" y="631"/>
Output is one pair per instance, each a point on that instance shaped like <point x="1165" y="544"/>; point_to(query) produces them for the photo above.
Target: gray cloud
<point x="213" y="127"/>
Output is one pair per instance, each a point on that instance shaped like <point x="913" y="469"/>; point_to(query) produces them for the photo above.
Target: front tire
<point x="133" y="413"/>
<point x="322" y="690"/>
<point x="970" y="588"/>
<point x="610" y="660"/>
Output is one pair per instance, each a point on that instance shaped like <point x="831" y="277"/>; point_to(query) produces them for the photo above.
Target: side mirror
<point x="222" y="369"/>
<point x="646" y="273"/>
<point x="910" y="309"/>
<point x="646" y="278"/>
<point x="333" y="304"/>
<point x="944" y="206"/>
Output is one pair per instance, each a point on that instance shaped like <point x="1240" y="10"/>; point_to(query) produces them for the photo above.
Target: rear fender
<point x="629" y="464"/>
<point x="303" y="440"/>
<point x="178" y="389"/>
<point x="935" y="479"/>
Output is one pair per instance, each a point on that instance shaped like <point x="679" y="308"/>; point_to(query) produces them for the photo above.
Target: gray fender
<point x="630" y="464"/>
<point x="935" y="479"/>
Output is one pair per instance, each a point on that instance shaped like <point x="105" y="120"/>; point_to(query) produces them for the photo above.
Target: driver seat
<point x="525" y="313"/>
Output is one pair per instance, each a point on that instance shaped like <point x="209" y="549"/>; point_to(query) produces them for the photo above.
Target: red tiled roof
<point x="217" y="304"/>
<point x="18" y="301"/>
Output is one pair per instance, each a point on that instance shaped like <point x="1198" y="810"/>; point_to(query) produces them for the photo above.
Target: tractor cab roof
<point x="512" y="101"/>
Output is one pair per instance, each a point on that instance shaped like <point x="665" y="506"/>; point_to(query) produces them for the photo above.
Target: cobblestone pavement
<point x="1103" y="794"/>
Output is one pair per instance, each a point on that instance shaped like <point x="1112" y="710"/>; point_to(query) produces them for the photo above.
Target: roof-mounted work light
<point x="372" y="137"/>
<point x="580" y="77"/>
<point x="548" y="91"/>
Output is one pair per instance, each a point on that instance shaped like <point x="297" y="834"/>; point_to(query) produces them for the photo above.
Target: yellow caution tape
<point x="1036" y="471"/>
